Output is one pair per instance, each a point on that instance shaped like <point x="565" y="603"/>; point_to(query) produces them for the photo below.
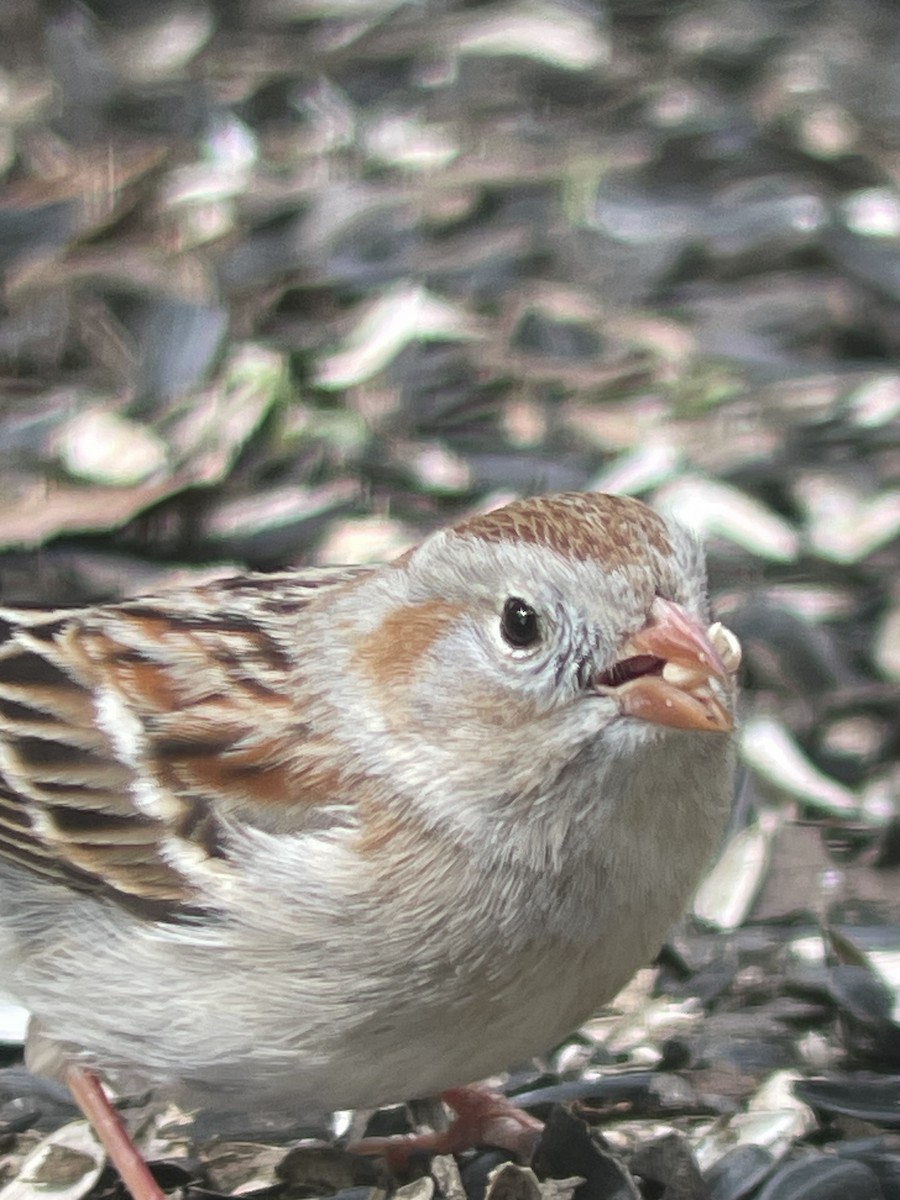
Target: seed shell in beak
<point x="675" y="673"/>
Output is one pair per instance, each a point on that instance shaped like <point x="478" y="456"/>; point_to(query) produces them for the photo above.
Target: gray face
<point x="507" y="624"/>
<point x="520" y="628"/>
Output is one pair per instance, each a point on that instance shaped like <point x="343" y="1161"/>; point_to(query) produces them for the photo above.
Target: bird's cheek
<point x="488" y="711"/>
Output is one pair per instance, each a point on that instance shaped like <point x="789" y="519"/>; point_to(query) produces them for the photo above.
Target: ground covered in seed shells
<point x="292" y="281"/>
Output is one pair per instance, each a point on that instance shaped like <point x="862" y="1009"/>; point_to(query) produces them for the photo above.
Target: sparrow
<point x="329" y="838"/>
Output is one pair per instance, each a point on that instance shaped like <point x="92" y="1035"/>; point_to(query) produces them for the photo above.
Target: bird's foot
<point x="481" y="1118"/>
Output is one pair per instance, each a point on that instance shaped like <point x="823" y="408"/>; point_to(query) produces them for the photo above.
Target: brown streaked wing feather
<point x="193" y="667"/>
<point x="65" y="806"/>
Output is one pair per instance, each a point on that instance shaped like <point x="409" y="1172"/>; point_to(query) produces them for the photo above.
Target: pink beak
<point x="665" y="672"/>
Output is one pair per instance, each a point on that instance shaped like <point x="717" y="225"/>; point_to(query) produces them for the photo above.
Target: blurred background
<point x="291" y="281"/>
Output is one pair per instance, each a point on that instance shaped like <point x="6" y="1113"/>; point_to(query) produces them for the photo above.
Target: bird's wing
<point x="132" y="734"/>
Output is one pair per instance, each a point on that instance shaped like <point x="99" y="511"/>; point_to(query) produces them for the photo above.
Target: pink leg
<point x="124" y="1155"/>
<point x="482" y="1118"/>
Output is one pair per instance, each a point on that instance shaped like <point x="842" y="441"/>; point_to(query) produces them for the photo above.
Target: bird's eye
<point x="519" y="623"/>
